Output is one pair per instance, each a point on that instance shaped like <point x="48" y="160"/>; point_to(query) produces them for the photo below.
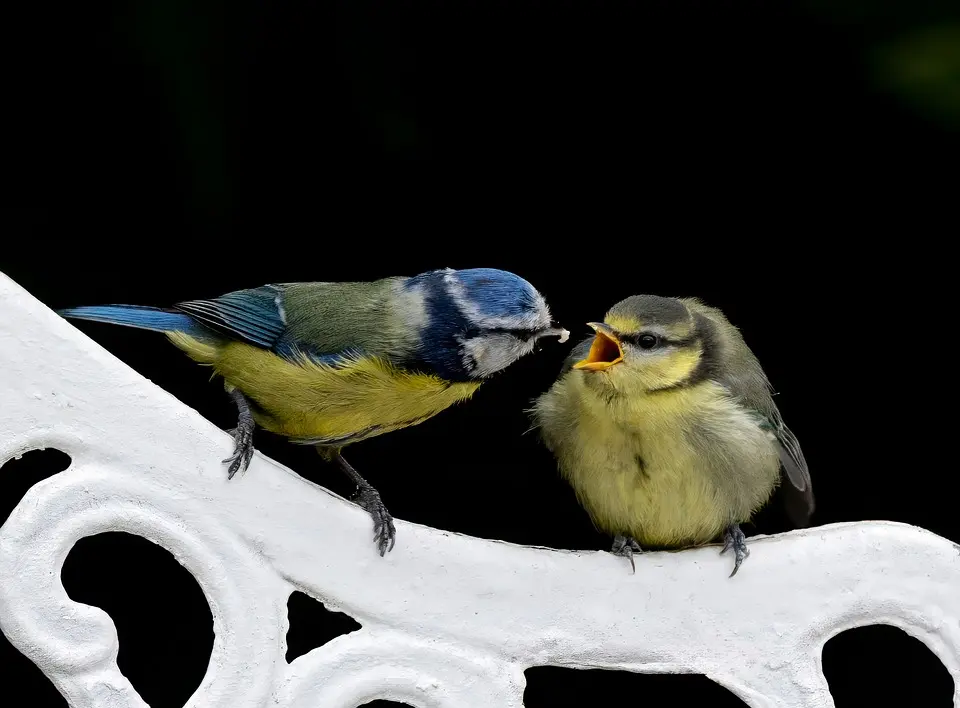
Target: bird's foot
<point x="243" y="453"/>
<point x="733" y="538"/>
<point x="626" y="546"/>
<point x="242" y="434"/>
<point x="368" y="499"/>
<point x="384" y="532"/>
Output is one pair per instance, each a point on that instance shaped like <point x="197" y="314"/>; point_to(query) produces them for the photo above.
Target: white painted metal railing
<point x="448" y="621"/>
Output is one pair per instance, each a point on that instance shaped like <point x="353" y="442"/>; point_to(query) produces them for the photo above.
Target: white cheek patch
<point x="488" y="354"/>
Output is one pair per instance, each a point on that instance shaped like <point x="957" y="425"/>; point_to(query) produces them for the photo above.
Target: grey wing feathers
<point x="798" y="494"/>
<point x="799" y="499"/>
<point x="791" y="457"/>
<point x="740" y="372"/>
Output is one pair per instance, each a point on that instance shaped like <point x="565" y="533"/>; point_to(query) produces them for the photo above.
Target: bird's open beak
<point x="605" y="350"/>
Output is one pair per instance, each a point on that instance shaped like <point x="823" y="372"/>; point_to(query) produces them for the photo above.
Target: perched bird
<point x="330" y="364"/>
<point x="664" y="425"/>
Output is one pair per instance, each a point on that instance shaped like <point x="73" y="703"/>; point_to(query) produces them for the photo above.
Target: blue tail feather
<point x="139" y="316"/>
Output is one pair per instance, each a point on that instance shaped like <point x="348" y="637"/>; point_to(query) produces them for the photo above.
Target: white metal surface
<point x="448" y="620"/>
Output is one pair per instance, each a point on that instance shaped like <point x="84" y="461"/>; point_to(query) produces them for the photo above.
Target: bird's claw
<point x="243" y="453"/>
<point x="734" y="538"/>
<point x="384" y="532"/>
<point x="626" y="546"/>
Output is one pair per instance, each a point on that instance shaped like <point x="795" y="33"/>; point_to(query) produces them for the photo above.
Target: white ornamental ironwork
<point x="448" y="621"/>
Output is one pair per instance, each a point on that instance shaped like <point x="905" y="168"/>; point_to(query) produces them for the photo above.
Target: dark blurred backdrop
<point x="793" y="164"/>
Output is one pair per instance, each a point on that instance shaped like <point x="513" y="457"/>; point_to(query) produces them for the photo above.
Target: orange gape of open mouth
<point x="604" y="352"/>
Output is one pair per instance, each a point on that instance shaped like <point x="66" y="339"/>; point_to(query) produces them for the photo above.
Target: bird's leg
<point x="626" y="546"/>
<point x="733" y="538"/>
<point x="368" y="498"/>
<point x="242" y="434"/>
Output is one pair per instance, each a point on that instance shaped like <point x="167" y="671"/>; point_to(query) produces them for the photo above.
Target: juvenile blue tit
<point x="330" y="364"/>
<point x="664" y="425"/>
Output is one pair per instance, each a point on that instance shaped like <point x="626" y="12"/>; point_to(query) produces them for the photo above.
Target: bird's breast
<point x="327" y="405"/>
<point x="672" y="468"/>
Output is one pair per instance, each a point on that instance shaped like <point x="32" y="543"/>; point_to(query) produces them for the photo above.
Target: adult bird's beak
<point x="555" y="330"/>
<point x="605" y="350"/>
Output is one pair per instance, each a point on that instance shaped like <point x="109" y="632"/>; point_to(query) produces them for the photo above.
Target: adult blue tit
<point x="664" y="424"/>
<point x="331" y="364"/>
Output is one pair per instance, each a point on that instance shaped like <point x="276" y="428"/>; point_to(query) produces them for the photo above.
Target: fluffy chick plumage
<point x="679" y="440"/>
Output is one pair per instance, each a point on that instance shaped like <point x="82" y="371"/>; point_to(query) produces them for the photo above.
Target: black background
<point x="760" y="158"/>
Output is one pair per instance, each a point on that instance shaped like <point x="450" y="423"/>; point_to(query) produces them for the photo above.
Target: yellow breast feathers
<point x="666" y="468"/>
<point x="324" y="405"/>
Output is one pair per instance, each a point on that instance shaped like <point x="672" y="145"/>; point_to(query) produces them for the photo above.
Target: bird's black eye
<point x="647" y="341"/>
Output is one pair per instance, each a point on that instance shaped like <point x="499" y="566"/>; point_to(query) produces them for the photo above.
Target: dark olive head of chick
<point x="650" y="343"/>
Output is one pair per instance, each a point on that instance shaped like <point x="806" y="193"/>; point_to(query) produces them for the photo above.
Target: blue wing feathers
<point x="252" y="315"/>
<point x="141" y="317"/>
<point x="249" y="315"/>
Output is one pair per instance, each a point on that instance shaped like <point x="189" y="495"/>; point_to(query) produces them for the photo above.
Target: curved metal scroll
<point x="448" y="620"/>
